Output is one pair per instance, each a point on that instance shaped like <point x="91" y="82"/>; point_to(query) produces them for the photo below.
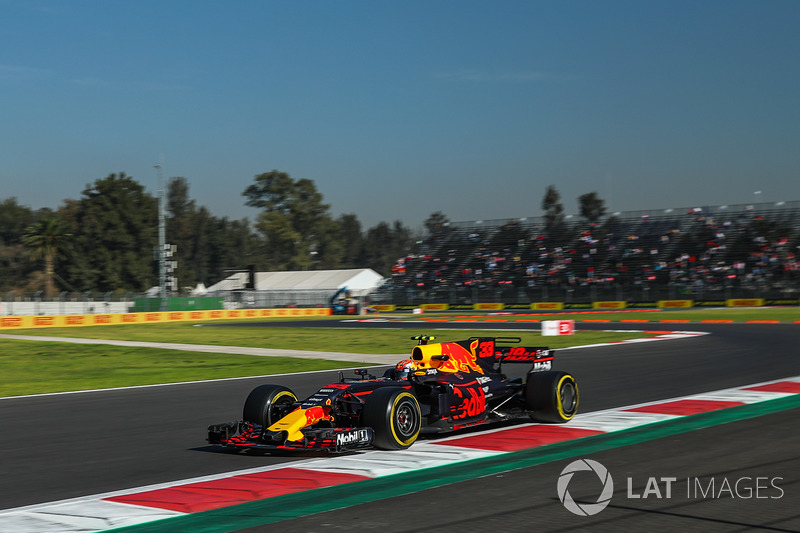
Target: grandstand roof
<point x="358" y="280"/>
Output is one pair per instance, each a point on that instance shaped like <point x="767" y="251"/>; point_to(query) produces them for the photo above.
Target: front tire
<point x="394" y="416"/>
<point x="551" y="396"/>
<point x="266" y="404"/>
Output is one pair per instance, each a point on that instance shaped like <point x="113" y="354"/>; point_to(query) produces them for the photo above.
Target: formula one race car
<point x="443" y="387"/>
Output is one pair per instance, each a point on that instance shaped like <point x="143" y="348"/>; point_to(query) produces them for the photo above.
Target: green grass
<point x="32" y="367"/>
<point x="367" y="341"/>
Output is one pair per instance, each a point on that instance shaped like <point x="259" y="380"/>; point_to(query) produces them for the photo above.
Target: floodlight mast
<point x="162" y="242"/>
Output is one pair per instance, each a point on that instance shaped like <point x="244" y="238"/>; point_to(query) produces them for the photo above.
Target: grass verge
<point x="35" y="367"/>
<point x="31" y="367"/>
<point x="367" y="341"/>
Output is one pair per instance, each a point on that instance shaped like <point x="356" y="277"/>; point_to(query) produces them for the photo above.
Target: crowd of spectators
<point x="692" y="251"/>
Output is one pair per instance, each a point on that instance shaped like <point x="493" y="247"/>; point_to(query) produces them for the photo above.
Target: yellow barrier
<point x="435" y="307"/>
<point x="489" y="307"/>
<point x="49" y="321"/>
<point x="547" y="306"/>
<point x="609" y="305"/>
<point x="673" y="304"/>
<point x="745" y="302"/>
<point x="384" y="307"/>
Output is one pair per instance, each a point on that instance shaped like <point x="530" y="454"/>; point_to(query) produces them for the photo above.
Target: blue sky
<point x="400" y="109"/>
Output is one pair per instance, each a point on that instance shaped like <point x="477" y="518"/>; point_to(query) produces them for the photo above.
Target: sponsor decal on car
<point x="351" y="437"/>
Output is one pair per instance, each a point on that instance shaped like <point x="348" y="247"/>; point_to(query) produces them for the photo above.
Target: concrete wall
<point x="62" y="308"/>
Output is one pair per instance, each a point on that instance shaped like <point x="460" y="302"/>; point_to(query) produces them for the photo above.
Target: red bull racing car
<point x="445" y="386"/>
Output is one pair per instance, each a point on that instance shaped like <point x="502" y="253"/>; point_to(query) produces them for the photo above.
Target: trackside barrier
<point x="434" y="307"/>
<point x="745" y="302"/>
<point x="489" y="306"/>
<point x="49" y="321"/>
<point x="675" y="304"/>
<point x="547" y="306"/>
<point x="561" y="306"/>
<point x="609" y="305"/>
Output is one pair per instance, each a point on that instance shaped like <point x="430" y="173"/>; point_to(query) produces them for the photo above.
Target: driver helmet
<point x="404" y="368"/>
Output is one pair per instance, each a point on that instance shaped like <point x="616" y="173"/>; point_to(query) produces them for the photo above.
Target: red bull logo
<point x="459" y="359"/>
<point x="315" y="414"/>
<point x="473" y="404"/>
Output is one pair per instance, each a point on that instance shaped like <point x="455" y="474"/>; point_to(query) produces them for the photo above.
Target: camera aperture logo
<point x="668" y="487"/>
<point x="585" y="509"/>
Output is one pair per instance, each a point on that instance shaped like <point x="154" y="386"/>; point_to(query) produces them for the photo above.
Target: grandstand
<point x="705" y="253"/>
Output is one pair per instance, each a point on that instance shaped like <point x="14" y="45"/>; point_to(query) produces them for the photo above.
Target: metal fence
<point x="65" y="303"/>
<point x="15" y="303"/>
<point x="33" y="304"/>
<point x="788" y="293"/>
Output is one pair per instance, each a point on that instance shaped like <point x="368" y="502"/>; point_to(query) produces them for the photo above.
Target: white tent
<point x="358" y="281"/>
<point x="199" y="290"/>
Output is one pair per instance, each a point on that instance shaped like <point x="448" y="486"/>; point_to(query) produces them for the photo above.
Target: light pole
<point x="162" y="241"/>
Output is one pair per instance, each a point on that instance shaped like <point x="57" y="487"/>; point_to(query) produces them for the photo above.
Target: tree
<point x="47" y="239"/>
<point x="14" y="220"/>
<point x="592" y="207"/>
<point x="15" y="264"/>
<point x="352" y="240"/>
<point x="294" y="222"/>
<point x="553" y="212"/>
<point x="115" y="227"/>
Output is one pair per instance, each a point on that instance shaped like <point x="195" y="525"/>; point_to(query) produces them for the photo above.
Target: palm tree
<point x="47" y="239"/>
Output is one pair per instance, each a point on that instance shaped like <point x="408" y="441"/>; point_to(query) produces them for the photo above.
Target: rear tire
<point x="394" y="416"/>
<point x="267" y="404"/>
<point x="551" y="396"/>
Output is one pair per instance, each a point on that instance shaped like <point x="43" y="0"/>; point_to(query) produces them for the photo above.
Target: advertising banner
<point x="745" y="302"/>
<point x="59" y="321"/>
<point x="547" y="306"/>
<point x="435" y="307"/>
<point x="609" y="305"/>
<point x="675" y="304"/>
<point x="489" y="307"/>
<point x="551" y="328"/>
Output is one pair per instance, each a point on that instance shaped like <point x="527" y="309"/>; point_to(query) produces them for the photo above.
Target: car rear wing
<point x="523" y="354"/>
<point x="539" y="357"/>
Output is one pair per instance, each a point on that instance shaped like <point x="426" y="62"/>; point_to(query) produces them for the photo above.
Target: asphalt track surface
<point x="64" y="446"/>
